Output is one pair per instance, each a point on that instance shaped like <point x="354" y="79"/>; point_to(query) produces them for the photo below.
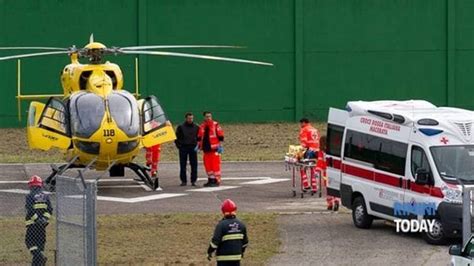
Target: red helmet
<point x="35" y="181"/>
<point x="228" y="207"/>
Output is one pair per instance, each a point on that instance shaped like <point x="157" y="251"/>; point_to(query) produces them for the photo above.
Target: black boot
<point x="208" y="184"/>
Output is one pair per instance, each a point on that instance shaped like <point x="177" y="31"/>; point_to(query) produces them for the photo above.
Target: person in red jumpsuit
<point x="321" y="166"/>
<point x="210" y="136"/>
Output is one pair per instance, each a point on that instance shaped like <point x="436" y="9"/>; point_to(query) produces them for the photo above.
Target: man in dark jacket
<point x="186" y="142"/>
<point x="230" y="237"/>
<point x="38" y="212"/>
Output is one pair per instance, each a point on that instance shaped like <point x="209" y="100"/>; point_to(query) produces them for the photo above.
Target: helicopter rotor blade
<point x="32" y="55"/>
<point x="178" y="47"/>
<point x="34" y="48"/>
<point x="208" y="57"/>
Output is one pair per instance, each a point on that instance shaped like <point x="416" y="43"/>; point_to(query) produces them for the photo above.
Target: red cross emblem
<point x="444" y="140"/>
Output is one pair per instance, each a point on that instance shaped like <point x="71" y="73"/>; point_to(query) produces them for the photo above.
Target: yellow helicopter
<point x="96" y="122"/>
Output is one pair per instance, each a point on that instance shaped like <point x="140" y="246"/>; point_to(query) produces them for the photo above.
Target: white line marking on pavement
<point x="104" y="198"/>
<point x="240" y="178"/>
<point x="141" y="199"/>
<point x="20" y="191"/>
<point x="14" y="182"/>
<point x="145" y="187"/>
<point x="265" y="181"/>
<point x="121" y="186"/>
<point x="212" y="189"/>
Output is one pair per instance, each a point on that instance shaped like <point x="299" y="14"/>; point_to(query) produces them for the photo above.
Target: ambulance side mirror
<point x="423" y="177"/>
<point x="455" y="250"/>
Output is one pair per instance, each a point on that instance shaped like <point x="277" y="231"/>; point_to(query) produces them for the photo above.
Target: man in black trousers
<point x="186" y="142"/>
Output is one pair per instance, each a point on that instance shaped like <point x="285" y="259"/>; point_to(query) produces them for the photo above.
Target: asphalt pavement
<point x="310" y="234"/>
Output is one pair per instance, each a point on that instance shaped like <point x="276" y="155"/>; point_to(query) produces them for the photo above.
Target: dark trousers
<point x="35" y="239"/>
<point x="229" y="263"/>
<point x="184" y="153"/>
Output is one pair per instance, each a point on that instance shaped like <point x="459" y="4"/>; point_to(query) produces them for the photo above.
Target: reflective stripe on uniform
<point x="32" y="219"/>
<point x="244" y="246"/>
<point x="47" y="215"/>
<point x="213" y="245"/>
<point x="40" y="206"/>
<point x="233" y="237"/>
<point x="228" y="257"/>
<point x="33" y="248"/>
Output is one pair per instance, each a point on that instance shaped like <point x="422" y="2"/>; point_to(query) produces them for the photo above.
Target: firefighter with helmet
<point x="230" y="237"/>
<point x="38" y="213"/>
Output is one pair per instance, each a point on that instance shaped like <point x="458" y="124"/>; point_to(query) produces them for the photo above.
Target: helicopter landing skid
<point x="50" y="181"/>
<point x="141" y="172"/>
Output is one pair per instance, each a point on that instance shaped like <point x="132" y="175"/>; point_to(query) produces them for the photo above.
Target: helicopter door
<point x="48" y="125"/>
<point x="155" y="125"/>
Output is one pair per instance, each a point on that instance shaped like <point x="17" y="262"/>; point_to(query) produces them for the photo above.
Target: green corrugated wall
<point x="325" y="52"/>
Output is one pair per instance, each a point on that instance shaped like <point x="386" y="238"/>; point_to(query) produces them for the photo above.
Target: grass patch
<point x="150" y="239"/>
<point x="243" y="142"/>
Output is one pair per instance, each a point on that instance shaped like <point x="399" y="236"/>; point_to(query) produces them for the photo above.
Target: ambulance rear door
<point x="335" y="132"/>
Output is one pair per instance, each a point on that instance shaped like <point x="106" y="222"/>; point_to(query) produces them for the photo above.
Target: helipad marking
<point x="121" y="186"/>
<point x="104" y="198"/>
<point x="265" y="181"/>
<point x="14" y="182"/>
<point x="212" y="189"/>
<point x="19" y="191"/>
<point x="142" y="199"/>
<point x="240" y="178"/>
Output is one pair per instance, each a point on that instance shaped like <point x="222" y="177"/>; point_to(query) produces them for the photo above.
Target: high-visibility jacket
<point x="38" y="207"/>
<point x="229" y="240"/>
<point x="309" y="137"/>
<point x="210" y="135"/>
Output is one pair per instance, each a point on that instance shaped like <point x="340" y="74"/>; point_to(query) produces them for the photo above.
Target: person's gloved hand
<point x="220" y="149"/>
<point x="209" y="256"/>
<point x="196" y="149"/>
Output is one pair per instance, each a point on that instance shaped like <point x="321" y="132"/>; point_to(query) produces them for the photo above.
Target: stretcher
<point x="294" y="165"/>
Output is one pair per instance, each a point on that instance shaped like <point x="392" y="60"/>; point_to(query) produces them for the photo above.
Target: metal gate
<point x="76" y="221"/>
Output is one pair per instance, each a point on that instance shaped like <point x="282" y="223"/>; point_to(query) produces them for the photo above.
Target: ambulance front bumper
<point x="451" y="218"/>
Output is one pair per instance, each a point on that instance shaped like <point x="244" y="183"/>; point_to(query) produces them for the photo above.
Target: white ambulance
<point x="384" y="153"/>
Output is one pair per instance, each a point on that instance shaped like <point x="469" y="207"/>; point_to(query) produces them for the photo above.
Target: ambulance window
<point x="384" y="154"/>
<point x="391" y="156"/>
<point x="360" y="146"/>
<point x="419" y="160"/>
<point x="334" y="140"/>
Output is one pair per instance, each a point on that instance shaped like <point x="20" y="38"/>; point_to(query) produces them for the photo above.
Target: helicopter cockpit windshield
<point x="87" y="111"/>
<point x="124" y="110"/>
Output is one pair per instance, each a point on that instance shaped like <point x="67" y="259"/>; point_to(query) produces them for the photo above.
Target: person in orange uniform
<point x="309" y="139"/>
<point x="210" y="135"/>
<point x="152" y="159"/>
<point x="153" y="154"/>
<point x="321" y="166"/>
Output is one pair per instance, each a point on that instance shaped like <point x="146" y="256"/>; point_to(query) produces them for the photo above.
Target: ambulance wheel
<point x="436" y="236"/>
<point x="360" y="217"/>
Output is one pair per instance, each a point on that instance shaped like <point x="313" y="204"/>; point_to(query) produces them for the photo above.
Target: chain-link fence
<point x="43" y="228"/>
<point x="27" y="227"/>
<point x="75" y="221"/>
